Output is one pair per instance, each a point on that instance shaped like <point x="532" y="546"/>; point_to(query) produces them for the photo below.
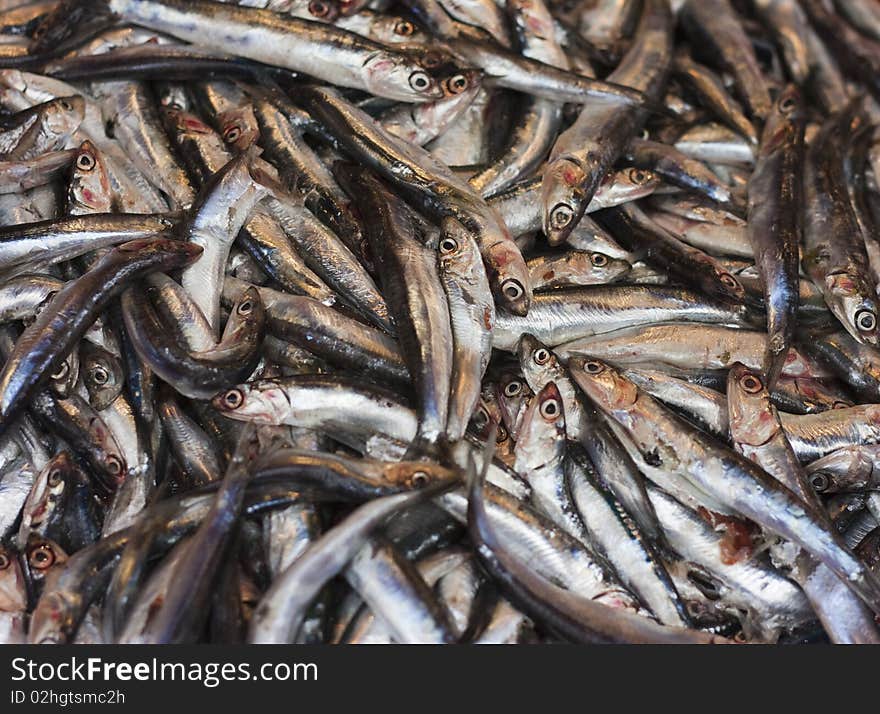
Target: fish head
<point x="541" y="438"/>
<point x="396" y="29"/>
<point x="417" y="474"/>
<point x="457" y="251"/>
<point x="846" y="469"/>
<point x="397" y="76"/>
<point x="602" y="383"/>
<point x="753" y="420"/>
<point x="461" y="86"/>
<point x="486" y="415"/>
<point x="563" y="197"/>
<point x="42" y="556"/>
<point x="13" y="590"/>
<point x="47" y="493"/>
<point x="263" y="402"/>
<point x="64" y="378"/>
<point x="63" y="116"/>
<point x="89" y="188"/>
<point x="729" y="284"/>
<point x="508" y="276"/>
<point x="785" y="121"/>
<point x="514" y="397"/>
<point x="113" y="468"/>
<point x="604" y="268"/>
<point x="247" y="318"/>
<point x="627" y="185"/>
<point x="239" y="127"/>
<point x="538" y="362"/>
<point x="855" y="306"/>
<point x="102" y="375"/>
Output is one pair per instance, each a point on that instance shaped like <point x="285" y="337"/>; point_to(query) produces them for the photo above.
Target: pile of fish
<point x="438" y="321"/>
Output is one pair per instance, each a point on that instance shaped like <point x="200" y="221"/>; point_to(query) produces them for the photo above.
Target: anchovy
<point x="322" y="51"/>
<point x="585" y="151"/>
<point x="562" y="316"/>
<point x="834" y="251"/>
<point x="775" y="223"/>
<point x="421" y="315"/>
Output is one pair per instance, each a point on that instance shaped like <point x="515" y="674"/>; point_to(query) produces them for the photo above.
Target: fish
<point x="585" y="151"/>
<point x="838" y="267"/>
<point x="411" y="279"/>
<point x="442" y="322"/>
<point x="775" y="222"/>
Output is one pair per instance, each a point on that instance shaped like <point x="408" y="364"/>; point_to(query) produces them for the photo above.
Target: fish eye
<point x="820" y="482"/>
<point x="246" y="308"/>
<point x="866" y="320"/>
<point x="419" y="81"/>
<point x="838" y="404"/>
<point x="65" y="105"/>
<point x="600" y="260"/>
<point x="85" y="162"/>
<point x="63" y="370"/>
<point x="100" y="376"/>
<point x="512" y="289"/>
<point x="728" y="281"/>
<point x="550" y="409"/>
<point x="637" y="176"/>
<point x="4" y="561"/>
<point x="594" y="367"/>
<point x="404" y="28"/>
<point x="456" y="84"/>
<point x="420" y="479"/>
<point x="232" y="134"/>
<point x="787" y="104"/>
<point x="41" y="557"/>
<point x="751" y="384"/>
<point x="233" y="398"/>
<point x="561" y="216"/>
<point x="54" y="477"/>
<point x="319" y="8"/>
<point x="114" y="465"/>
<point x="448" y="245"/>
<point x="502" y="435"/>
<point x="542" y="355"/>
<point x="513" y="388"/>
